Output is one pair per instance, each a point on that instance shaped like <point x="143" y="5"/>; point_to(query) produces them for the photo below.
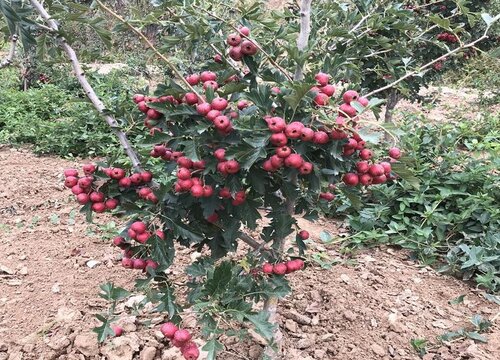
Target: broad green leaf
<point x="262" y="325"/>
<point x="212" y="347"/>
<point x="104" y="331"/>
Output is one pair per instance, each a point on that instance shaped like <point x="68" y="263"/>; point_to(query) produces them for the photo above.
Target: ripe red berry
<point x="218" y="59"/>
<point x="304" y="234"/>
<point x="294" y="160"/>
<point x="213" y="218"/>
<point x="327" y="196"/>
<point x="210" y="84"/>
<point x="394" y="153"/>
<point x="233" y="39"/>
<point x="208" y="190"/>
<point x="137" y="98"/>
<point x="306" y="168"/>
<point x="277" y="161"/>
<point x="338" y="134"/>
<point x="365" y="154"/>
<point x="143" y="107"/>
<point x="197" y="191"/>
<point x="232" y="167"/>
<point x="190" y="98"/>
<point x="151" y="264"/>
<point x="146" y="176"/>
<point x="117" y="173"/>
<point x="307" y="134"/>
<point x="347" y="110"/>
<point x="267" y="268"/>
<point x="143" y="237"/>
<point x="96" y="197"/>
<point x="119" y="241"/>
<point x="203" y="108"/>
<point x="365" y="179"/>
<point x="185" y="162"/>
<point x="242" y="104"/>
<point x="235" y="53"/>
<point x="320" y="137"/>
<point x="89" y="169"/>
<point x="268" y="166"/>
<point x="220" y="154"/>
<point x="208" y="76"/>
<point x="139" y="227"/>
<point x="139" y="264"/>
<point x="168" y="330"/>
<point x="276" y="124"/>
<point x="351" y="179"/>
<point x="219" y="103"/>
<point x="349" y="96"/>
<point x="279" y="269"/>
<point x="183" y="174"/>
<point x="190" y="351"/>
<point x="182" y="336"/>
<point x="376" y="170"/>
<point x="244" y="30"/>
<point x="193" y="79"/>
<point x="328" y="90"/>
<point x="362" y="167"/>
<point x="221" y="122"/>
<point x="70" y="172"/>
<point x="363" y="101"/>
<point x="70" y="181"/>
<point x="111" y="204"/>
<point x="321" y="99"/>
<point x="213" y="114"/>
<point x="225" y="193"/>
<point x="283" y="151"/>
<point x="294" y="130"/>
<point x="322" y="78"/>
<point x="99" y="207"/>
<point x="117" y="330"/>
<point x="278" y="139"/>
<point x="248" y="48"/>
<point x="387" y="167"/>
<point x="379" y="179"/>
<point x="153" y="114"/>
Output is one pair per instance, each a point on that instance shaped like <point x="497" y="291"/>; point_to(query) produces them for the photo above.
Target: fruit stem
<point x="89" y="91"/>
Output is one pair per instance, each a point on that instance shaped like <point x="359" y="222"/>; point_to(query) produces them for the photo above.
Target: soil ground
<point x="368" y="306"/>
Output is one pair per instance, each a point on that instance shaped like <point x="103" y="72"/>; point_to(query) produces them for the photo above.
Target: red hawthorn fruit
<point x="365" y="154"/>
<point x="395" y="153"/>
<point x="190" y="98"/>
<point x="185" y="185"/>
<point x="242" y="104"/>
<point x="362" y="167"/>
<point x="183" y="174"/>
<point x="203" y="108"/>
<point x="160" y="234"/>
<point x="176" y="343"/>
<point x="232" y="167"/>
<point x="290" y="266"/>
<point x="152" y="264"/>
<point x="70" y="181"/>
<point x="350" y="95"/>
<point x="225" y="193"/>
<point x="190" y="351"/>
<point x="222" y="122"/>
<point x="160" y="150"/>
<point x="321" y="99"/>
<point x="268" y="166"/>
<point x="304" y="234"/>
<point x="139" y="264"/>
<point x="279" y="269"/>
<point x="220" y="154"/>
<point x="135" y="179"/>
<point x="168" y="330"/>
<point x="365" y="179"/>
<point x="218" y="59"/>
<point x="219" y="104"/>
<point x="306" y="168"/>
<point x="185" y="162"/>
<point x="118" y="241"/>
<point x="328" y="90"/>
<point x="197" y="191"/>
<point x="279" y="139"/>
<point x="111" y="204"/>
<point x="182" y="336"/>
<point x="199" y="165"/>
<point x="131" y="233"/>
<point x="193" y="79"/>
<point x="82" y="198"/>
<point x="248" y="48"/>
<point x="363" y="101"/>
<point x="332" y="186"/>
<point x="320" y="137"/>
<point x="212" y="84"/>
<point x="315" y="90"/>
<point x="276" y="161"/>
<point x="351" y="144"/>
<point x="208" y="76"/>
<point x="235" y="53"/>
<point x="152" y="197"/>
<point x="233" y="39"/>
<point x="244" y="30"/>
<point x="294" y="130"/>
<point x="283" y="152"/>
<point x="143" y="238"/>
<point x="125" y="182"/>
<point x="144" y="192"/>
<point x="379" y="179"/>
<point x="98" y="207"/>
<point x="338" y="134"/>
<point x="117" y="173"/>
<point x="85" y="182"/>
<point x="347" y="110"/>
<point x="221" y="167"/>
<point x="208" y="190"/>
<point x="299" y="264"/>
<point x="89" y="169"/>
<point x="127" y="263"/>
<point x="276" y="124"/>
<point x="137" y="98"/>
<point x="348" y="151"/>
<point x="143" y="107"/>
<point x="307" y="134"/>
<point x="97" y="197"/>
<point x="351" y="179"/>
<point x="294" y="160"/>
<point x="139" y="227"/>
<point x="146" y="176"/>
<point x="267" y="268"/>
<point x="376" y="170"/>
<point x="275" y="90"/>
<point x="387" y="167"/>
<point x="176" y="155"/>
<point x="153" y="114"/>
<point x="213" y="218"/>
<point x="322" y="78"/>
<point x="70" y="172"/>
<point x="328" y="196"/>
<point x="118" y="331"/>
<point x="213" y="114"/>
<point x="361" y="145"/>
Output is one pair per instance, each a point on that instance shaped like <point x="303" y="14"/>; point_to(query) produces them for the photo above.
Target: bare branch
<point x="305" y="30"/>
<point x="89" y="91"/>
<point x="12" y="52"/>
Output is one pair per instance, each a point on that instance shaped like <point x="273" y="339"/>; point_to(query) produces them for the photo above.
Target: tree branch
<point x="305" y="30"/>
<point x="89" y="91"/>
<point x="12" y="52"/>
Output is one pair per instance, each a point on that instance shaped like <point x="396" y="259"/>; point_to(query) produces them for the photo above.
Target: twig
<point x="152" y="47"/>
<point x="12" y="52"/>
<point x="274" y="63"/>
<point x="89" y="91"/>
<point x="305" y="30"/>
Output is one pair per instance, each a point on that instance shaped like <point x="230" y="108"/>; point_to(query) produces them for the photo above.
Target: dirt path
<point x="368" y="307"/>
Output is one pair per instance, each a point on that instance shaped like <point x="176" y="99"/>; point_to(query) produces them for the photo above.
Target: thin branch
<point x="89" y="91"/>
<point x="251" y="241"/>
<point x="422" y="68"/>
<point x="152" y="47"/>
<point x="274" y="63"/>
<point x="12" y="52"/>
<point x="305" y="30"/>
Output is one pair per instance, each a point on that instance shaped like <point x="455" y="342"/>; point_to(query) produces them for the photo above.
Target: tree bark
<point x="392" y="101"/>
<point x="89" y="91"/>
<point x="305" y="30"/>
<point x="12" y="52"/>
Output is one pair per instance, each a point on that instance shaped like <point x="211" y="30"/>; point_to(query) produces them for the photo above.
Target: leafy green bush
<point x="452" y="214"/>
<point x="55" y="122"/>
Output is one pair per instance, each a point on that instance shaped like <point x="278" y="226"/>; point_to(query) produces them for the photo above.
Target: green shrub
<point x="452" y="216"/>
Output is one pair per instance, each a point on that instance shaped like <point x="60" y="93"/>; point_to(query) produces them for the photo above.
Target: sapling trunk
<point x="392" y="101"/>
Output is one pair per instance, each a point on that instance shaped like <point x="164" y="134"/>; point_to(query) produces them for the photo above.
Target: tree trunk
<point x="392" y="101"/>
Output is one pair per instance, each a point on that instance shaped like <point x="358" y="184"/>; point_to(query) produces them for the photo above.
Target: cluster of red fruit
<point x="323" y="90"/>
<point x="346" y="110"/>
<point x="181" y="338"/>
<point x="447" y="37"/>
<point x="152" y="115"/>
<point x="85" y="190"/>
<point x="371" y="174"/>
<point x="283" y="267"/>
<point x="240" y="44"/>
<point x="187" y="182"/>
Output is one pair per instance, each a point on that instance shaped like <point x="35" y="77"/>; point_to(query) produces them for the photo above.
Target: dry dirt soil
<point x="368" y="306"/>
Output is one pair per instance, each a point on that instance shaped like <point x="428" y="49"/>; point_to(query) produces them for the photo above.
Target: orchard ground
<point x="370" y="305"/>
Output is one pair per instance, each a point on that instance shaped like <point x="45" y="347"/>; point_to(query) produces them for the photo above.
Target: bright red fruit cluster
<point x="181" y="338"/>
<point x="283" y="268"/>
<point x="240" y="44"/>
<point x="86" y="190"/>
<point x="447" y="37"/>
<point x="323" y="90"/>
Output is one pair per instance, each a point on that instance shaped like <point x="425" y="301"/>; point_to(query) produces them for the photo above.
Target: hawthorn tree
<point x="251" y="134"/>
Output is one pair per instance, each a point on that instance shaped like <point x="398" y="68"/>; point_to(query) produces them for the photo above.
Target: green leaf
<point x="104" y="331"/>
<point x="219" y="279"/>
<point x="167" y="302"/>
<point x="476" y="336"/>
<point x="212" y="347"/>
<point x="299" y="91"/>
<point x="457" y="300"/>
<point x="492" y="298"/>
<point x="183" y="231"/>
<point x="110" y="292"/>
<point x="162" y="251"/>
<point x="262" y="326"/>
